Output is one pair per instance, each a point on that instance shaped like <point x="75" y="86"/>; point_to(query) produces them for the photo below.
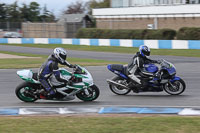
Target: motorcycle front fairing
<point x="175" y="78"/>
<point x="85" y="77"/>
<point x="171" y="70"/>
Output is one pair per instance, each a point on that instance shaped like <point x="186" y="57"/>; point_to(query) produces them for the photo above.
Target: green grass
<point x="37" y="62"/>
<point x="174" y="52"/>
<point x="94" y="124"/>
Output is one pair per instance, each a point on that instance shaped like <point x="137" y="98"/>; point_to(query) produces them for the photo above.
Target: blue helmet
<point x="144" y="50"/>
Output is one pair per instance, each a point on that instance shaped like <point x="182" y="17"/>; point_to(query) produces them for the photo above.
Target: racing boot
<point x="133" y="87"/>
<point x="144" y="85"/>
<point x="141" y="87"/>
<point x="51" y="94"/>
<point x="48" y="95"/>
<point x="43" y="94"/>
<point x="136" y="90"/>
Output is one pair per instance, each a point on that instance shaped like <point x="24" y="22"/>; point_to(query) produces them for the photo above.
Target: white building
<point x="140" y="14"/>
<point x="131" y="3"/>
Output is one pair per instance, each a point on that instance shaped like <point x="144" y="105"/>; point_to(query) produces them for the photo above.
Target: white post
<point x="110" y="23"/>
<point x="155" y="23"/>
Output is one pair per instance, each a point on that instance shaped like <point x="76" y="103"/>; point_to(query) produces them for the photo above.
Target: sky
<point x="55" y="6"/>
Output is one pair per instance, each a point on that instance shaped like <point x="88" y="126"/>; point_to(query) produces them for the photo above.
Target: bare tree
<point x="91" y="4"/>
<point x="75" y="8"/>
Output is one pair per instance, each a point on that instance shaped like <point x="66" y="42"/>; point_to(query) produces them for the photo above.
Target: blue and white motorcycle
<point x="167" y="80"/>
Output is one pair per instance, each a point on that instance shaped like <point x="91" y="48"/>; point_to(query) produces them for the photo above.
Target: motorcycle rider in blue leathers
<point x="136" y="67"/>
<point x="50" y="67"/>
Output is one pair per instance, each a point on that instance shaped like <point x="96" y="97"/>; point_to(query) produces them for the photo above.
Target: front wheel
<point x="175" y="88"/>
<point x="117" y="89"/>
<point x="24" y="92"/>
<point x="93" y="94"/>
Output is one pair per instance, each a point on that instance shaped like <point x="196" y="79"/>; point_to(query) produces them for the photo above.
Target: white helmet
<point x="60" y="54"/>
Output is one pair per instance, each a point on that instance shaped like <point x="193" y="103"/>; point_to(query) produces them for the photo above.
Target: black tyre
<point x="179" y="87"/>
<point x="93" y="94"/>
<point x="22" y="91"/>
<point x="118" y="90"/>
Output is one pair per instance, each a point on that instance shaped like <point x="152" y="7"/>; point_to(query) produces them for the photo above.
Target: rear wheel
<point x="118" y="90"/>
<point x="93" y="94"/>
<point x="175" y="88"/>
<point x="24" y="92"/>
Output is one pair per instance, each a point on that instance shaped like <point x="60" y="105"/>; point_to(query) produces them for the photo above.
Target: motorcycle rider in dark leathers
<point x="50" y="67"/>
<point x="136" y="67"/>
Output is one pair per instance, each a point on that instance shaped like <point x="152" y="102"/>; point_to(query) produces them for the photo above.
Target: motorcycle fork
<point x="31" y="93"/>
<point x="86" y="91"/>
<point x="171" y="85"/>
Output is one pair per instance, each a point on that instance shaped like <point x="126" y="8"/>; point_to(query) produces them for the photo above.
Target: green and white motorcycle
<point x="82" y="86"/>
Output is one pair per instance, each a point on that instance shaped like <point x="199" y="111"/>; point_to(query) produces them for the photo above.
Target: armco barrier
<point x="156" y="44"/>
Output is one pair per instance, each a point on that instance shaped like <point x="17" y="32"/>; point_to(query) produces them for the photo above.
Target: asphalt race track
<point x="187" y="68"/>
<point x="94" y="55"/>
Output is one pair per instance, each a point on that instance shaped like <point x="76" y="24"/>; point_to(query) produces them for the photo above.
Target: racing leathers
<point x="136" y="66"/>
<point x="47" y="69"/>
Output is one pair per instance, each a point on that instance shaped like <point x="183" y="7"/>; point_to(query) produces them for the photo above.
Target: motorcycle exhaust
<point x="110" y="82"/>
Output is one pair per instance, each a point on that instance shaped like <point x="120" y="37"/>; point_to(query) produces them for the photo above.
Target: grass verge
<point x="37" y="62"/>
<point x="94" y="124"/>
<point x="174" y="52"/>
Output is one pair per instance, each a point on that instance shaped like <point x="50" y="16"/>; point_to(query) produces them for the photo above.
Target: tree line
<point x="81" y="7"/>
<point x="33" y="12"/>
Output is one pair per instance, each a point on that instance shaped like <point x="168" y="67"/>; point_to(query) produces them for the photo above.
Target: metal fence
<point x="72" y="28"/>
<point x="10" y="26"/>
<point x="51" y="30"/>
<point x="42" y="30"/>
